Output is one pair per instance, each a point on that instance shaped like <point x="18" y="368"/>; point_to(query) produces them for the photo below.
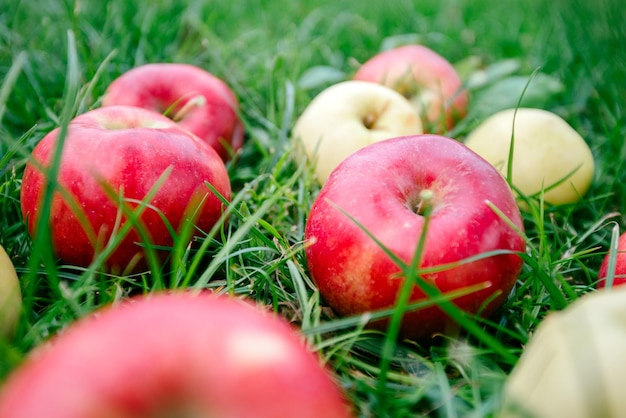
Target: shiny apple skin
<point x="124" y="150"/>
<point x="378" y="187"/>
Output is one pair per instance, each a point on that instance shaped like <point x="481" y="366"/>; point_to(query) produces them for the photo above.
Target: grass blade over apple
<point x="414" y="275"/>
<point x="355" y="273"/>
<point x="121" y="165"/>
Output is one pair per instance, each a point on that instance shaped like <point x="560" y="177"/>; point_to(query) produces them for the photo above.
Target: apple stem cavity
<point x="423" y="204"/>
<point x="369" y="120"/>
<point x="196" y="101"/>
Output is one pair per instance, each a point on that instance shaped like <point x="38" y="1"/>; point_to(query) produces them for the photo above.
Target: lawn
<point x="58" y="57"/>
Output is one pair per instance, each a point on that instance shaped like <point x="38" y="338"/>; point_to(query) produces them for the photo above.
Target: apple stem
<point x="423" y="205"/>
<point x="196" y="101"/>
<point x="370" y="119"/>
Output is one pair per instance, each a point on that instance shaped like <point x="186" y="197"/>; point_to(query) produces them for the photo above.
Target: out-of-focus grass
<point x="276" y="56"/>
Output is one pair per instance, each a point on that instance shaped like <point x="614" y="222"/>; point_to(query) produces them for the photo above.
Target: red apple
<point x="125" y="150"/>
<point x="379" y="187"/>
<point x="176" y="354"/>
<point x="194" y="98"/>
<point x="619" y="275"/>
<point x="424" y="77"/>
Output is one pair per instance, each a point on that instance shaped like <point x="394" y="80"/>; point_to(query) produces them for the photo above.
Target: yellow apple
<point x="346" y="117"/>
<point x="10" y="296"/>
<point x="548" y="154"/>
<point x="573" y="365"/>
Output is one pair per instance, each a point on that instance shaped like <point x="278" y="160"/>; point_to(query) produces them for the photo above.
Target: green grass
<point x="57" y="57"/>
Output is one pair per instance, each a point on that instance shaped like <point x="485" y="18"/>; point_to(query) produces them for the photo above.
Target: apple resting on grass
<point x="10" y="297"/>
<point x="424" y="77"/>
<point x="124" y="154"/>
<point x="174" y="355"/>
<point x="573" y="365"/>
<point x="619" y="275"/>
<point x="379" y="187"/>
<point x="348" y="116"/>
<point x="548" y="154"/>
<point x="194" y="98"/>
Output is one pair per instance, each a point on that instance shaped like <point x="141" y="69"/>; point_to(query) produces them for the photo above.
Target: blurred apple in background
<point x="10" y="297"/>
<point x="348" y="116"/>
<point x="178" y="354"/>
<point x="548" y="154"/>
<point x="381" y="187"/>
<point x="113" y="157"/>
<point x="194" y="98"/>
<point x="573" y="364"/>
<point x="428" y="80"/>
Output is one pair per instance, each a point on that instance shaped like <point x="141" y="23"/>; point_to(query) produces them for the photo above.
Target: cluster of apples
<point x="403" y="91"/>
<point x="130" y="180"/>
<point x="398" y="195"/>
<point x="417" y="79"/>
<point x="399" y="199"/>
<point x="390" y="204"/>
<point x="130" y="174"/>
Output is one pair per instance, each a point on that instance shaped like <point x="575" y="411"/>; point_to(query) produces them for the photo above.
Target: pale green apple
<point x="573" y="365"/>
<point x="549" y="155"/>
<point x="348" y="116"/>
<point x="10" y="297"/>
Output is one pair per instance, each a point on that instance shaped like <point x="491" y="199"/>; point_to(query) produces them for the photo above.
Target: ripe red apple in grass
<point x="193" y="97"/>
<point x="424" y="77"/>
<point x="177" y="354"/>
<point x="619" y="275"/>
<point x="379" y="187"/>
<point x="116" y="157"/>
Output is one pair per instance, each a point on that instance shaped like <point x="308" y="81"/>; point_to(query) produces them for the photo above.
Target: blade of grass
<point x="41" y="252"/>
<point x="613" y="251"/>
<point x="509" y="169"/>
<point x="9" y="83"/>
